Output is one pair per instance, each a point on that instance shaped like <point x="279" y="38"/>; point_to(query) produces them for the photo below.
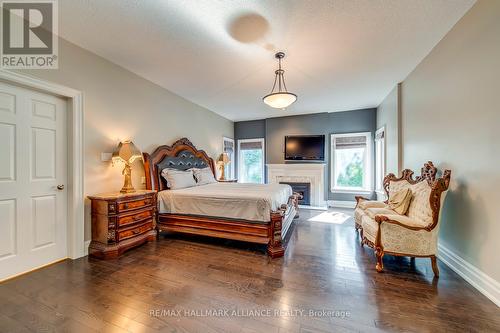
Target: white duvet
<point x="253" y="202"/>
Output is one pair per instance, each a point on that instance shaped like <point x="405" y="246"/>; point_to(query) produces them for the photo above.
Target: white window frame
<point x="368" y="176"/>
<point x="233" y="161"/>
<point x="384" y="159"/>
<point x="240" y="159"/>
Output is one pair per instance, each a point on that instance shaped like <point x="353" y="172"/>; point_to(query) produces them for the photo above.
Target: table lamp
<point x="222" y="161"/>
<point x="128" y="153"/>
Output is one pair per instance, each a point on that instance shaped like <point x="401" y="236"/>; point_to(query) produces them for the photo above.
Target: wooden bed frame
<point x="271" y="233"/>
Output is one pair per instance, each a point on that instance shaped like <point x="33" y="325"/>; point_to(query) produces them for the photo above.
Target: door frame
<point x="75" y="123"/>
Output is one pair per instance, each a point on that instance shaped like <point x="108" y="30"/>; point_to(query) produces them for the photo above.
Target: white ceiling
<point x="341" y="54"/>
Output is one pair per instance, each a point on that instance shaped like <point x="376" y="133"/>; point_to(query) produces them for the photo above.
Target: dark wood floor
<point x="324" y="269"/>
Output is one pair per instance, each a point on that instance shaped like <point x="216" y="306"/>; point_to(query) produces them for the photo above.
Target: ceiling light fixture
<point x="281" y="98"/>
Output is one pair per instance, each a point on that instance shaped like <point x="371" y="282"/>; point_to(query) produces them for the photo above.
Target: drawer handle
<point x="135" y="232"/>
<point x="125" y="206"/>
<point x="147" y="202"/>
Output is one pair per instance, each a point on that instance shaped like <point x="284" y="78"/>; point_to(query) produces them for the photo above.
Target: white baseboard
<point x="485" y="284"/>
<point x="341" y="204"/>
<point x="86" y="248"/>
<point x="313" y="207"/>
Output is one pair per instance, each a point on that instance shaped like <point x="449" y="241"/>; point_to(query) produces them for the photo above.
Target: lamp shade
<point x="224" y="158"/>
<point x="127" y="152"/>
<point x="280" y="100"/>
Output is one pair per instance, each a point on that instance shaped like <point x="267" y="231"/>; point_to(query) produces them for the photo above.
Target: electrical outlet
<point x="143" y="180"/>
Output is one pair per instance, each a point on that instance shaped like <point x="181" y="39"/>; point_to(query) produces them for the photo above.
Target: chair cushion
<point x="400" y="201"/>
<point x="371" y="212"/>
<point x="420" y="208"/>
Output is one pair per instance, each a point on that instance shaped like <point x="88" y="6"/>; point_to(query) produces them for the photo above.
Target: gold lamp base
<point x="127" y="184"/>
<point x="222" y="172"/>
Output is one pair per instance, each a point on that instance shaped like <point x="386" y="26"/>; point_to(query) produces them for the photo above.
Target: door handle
<point x="60" y="187"/>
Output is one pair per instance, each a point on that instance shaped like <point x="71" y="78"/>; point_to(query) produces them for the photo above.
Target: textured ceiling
<point x="341" y="54"/>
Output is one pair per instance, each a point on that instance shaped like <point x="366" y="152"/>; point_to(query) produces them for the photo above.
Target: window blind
<point x="251" y="145"/>
<point x="350" y="142"/>
<point x="228" y="147"/>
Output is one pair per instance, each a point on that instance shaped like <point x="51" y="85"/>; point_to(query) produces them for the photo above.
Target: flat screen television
<point x="305" y="148"/>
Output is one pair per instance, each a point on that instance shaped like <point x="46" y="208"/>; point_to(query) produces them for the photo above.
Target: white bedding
<point x="252" y="202"/>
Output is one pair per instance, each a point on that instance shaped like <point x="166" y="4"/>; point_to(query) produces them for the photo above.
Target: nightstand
<point x="228" y="181"/>
<point x="121" y="221"/>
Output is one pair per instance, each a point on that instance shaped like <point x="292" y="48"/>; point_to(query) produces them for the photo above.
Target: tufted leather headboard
<point x="182" y="155"/>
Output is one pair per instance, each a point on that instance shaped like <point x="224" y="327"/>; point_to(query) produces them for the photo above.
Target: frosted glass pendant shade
<point x="280" y="100"/>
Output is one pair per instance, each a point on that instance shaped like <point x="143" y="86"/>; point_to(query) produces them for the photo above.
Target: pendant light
<point x="281" y="98"/>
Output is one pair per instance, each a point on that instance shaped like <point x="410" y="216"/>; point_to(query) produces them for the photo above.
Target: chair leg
<point x="380" y="265"/>
<point x="435" y="268"/>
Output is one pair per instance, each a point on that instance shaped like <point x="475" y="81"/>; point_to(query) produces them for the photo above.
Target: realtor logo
<point x="29" y="34"/>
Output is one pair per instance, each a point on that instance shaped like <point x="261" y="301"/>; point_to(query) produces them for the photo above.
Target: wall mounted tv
<point x="305" y="148"/>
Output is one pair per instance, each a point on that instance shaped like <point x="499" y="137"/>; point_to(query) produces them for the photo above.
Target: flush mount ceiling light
<point x="280" y="98"/>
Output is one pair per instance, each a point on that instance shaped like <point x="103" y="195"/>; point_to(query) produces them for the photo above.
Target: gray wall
<point x="450" y="115"/>
<point x="319" y="123"/>
<point x="252" y="129"/>
<point x="118" y="105"/>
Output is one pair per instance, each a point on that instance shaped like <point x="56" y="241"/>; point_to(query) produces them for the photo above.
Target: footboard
<point x="281" y="221"/>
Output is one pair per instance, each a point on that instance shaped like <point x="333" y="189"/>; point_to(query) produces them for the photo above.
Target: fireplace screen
<point x="303" y="189"/>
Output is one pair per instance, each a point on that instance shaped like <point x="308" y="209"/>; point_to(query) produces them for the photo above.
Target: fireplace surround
<point x="312" y="173"/>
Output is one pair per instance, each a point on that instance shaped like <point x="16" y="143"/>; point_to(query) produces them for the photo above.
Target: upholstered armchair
<point x="414" y="234"/>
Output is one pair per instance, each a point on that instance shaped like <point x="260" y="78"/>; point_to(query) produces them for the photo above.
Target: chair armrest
<point x="360" y="198"/>
<point x="403" y="221"/>
<point x="365" y="204"/>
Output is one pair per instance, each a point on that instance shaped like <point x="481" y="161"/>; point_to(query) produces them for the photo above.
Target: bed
<point x="257" y="213"/>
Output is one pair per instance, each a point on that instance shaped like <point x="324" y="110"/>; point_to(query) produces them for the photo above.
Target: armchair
<point x="414" y="234"/>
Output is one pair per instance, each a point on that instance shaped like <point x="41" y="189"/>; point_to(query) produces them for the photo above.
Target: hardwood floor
<point x="324" y="268"/>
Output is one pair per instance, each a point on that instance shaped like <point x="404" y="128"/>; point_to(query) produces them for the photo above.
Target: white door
<point x="33" y="211"/>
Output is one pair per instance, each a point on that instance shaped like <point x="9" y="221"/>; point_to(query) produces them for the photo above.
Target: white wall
<point x="121" y="105"/>
<point x="388" y="116"/>
<point x="451" y="115"/>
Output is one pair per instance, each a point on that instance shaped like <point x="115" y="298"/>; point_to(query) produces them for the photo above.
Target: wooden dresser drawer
<point x="135" y="231"/>
<point x="125" y="220"/>
<point x="117" y="217"/>
<point x="135" y="204"/>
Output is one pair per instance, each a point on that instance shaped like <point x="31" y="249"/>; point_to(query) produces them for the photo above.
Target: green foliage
<point x="352" y="175"/>
<point x="253" y="165"/>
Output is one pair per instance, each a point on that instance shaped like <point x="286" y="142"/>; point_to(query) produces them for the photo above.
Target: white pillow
<point x="204" y="176"/>
<point x="177" y="179"/>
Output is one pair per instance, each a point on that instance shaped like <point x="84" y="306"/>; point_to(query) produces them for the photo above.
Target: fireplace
<point x="311" y="173"/>
<point x="303" y="189"/>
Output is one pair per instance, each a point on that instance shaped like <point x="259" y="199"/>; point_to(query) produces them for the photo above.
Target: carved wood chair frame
<point x="438" y="186"/>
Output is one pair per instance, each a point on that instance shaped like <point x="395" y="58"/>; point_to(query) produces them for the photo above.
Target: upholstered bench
<point x="405" y="231"/>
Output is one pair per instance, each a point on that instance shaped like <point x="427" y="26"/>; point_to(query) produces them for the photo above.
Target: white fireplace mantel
<point x="313" y="173"/>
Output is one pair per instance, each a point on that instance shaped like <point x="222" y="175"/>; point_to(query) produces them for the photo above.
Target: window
<point x="379" y="159"/>
<point x="228" y="147"/>
<point x="251" y="161"/>
<point x="351" y="162"/>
